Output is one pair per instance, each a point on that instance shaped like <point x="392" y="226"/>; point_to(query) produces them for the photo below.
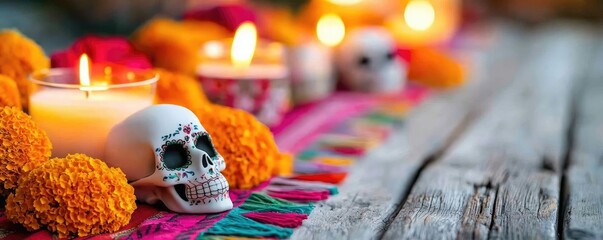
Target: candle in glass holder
<point x="247" y="73"/>
<point x="77" y="111"/>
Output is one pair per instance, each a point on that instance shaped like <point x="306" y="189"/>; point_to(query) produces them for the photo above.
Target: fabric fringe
<point x="259" y="202"/>
<point x="279" y="184"/>
<point x="288" y="220"/>
<point x="334" y="178"/>
<point x="235" y="224"/>
<point x="307" y="167"/>
<point x="262" y="216"/>
<point x="300" y="195"/>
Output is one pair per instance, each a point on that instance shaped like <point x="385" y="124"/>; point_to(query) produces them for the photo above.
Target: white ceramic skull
<point x="168" y="156"/>
<point x="367" y="62"/>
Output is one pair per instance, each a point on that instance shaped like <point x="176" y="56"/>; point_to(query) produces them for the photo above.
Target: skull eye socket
<point x="203" y="143"/>
<point x="175" y="156"/>
<point x="390" y="56"/>
<point x="364" y="61"/>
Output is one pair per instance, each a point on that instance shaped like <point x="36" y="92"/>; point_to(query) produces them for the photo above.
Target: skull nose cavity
<point x="206" y="161"/>
<point x="181" y="191"/>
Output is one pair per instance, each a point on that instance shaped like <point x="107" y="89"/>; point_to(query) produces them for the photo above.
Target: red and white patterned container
<point x="262" y="88"/>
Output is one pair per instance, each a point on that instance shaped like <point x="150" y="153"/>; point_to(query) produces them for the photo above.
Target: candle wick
<point x="88" y="93"/>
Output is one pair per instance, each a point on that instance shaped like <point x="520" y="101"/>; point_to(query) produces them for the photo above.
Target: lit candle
<point x="78" y="116"/>
<point x="247" y="73"/>
<point x="312" y="67"/>
<point x="425" y="22"/>
<point x="330" y="30"/>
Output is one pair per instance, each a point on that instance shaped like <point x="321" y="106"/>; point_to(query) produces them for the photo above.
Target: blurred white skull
<point x="367" y="62"/>
<point x="168" y="156"/>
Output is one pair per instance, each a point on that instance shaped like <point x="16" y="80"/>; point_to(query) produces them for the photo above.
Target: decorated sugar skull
<point x="367" y="62"/>
<point x="168" y="156"/>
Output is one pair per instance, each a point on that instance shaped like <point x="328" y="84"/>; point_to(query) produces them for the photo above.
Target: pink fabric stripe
<point x="293" y="115"/>
<point x="302" y="126"/>
<point x="300" y="195"/>
<point x="319" y="119"/>
<point x="289" y="220"/>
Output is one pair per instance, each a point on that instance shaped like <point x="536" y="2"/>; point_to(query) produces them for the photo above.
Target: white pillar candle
<point x="79" y="124"/>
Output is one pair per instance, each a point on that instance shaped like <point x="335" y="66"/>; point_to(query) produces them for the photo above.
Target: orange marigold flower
<point x="9" y="93"/>
<point x="175" y="45"/>
<point x="179" y="89"/>
<point x="284" y="165"/>
<point x="75" y="195"/>
<point x="433" y="68"/>
<point x="246" y="144"/>
<point x="20" y="56"/>
<point x="23" y="146"/>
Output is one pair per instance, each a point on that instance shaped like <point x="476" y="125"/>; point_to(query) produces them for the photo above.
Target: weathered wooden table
<point x="515" y="154"/>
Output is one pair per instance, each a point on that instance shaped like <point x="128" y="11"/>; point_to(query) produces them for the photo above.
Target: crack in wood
<point x="465" y="123"/>
<point x="548" y="164"/>
<point x="388" y="220"/>
<point x="579" y="90"/>
<point x="493" y="228"/>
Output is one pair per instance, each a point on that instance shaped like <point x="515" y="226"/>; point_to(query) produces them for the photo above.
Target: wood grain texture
<point x="377" y="183"/>
<point x="456" y="203"/>
<point x="583" y="215"/>
<point x="501" y="178"/>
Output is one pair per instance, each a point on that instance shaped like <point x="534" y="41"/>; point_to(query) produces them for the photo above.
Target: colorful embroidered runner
<point x="326" y="137"/>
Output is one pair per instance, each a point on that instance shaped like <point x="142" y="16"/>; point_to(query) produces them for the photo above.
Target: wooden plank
<point x="376" y="185"/>
<point x="476" y="204"/>
<point x="500" y="179"/>
<point x="588" y="139"/>
<point x="583" y="215"/>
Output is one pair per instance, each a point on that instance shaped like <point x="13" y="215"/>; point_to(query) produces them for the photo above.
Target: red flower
<point x="228" y="15"/>
<point x="115" y="50"/>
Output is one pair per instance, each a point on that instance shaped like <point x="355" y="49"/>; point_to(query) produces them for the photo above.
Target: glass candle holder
<point x="262" y="88"/>
<point x="78" y="118"/>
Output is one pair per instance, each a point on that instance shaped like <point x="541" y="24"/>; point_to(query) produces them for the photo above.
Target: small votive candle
<point x="78" y="117"/>
<point x="247" y="73"/>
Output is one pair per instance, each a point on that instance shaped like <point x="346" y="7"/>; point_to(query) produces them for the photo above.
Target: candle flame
<point x="84" y="73"/>
<point x="85" y="83"/>
<point x="345" y="2"/>
<point x="330" y="29"/>
<point x="243" y="45"/>
<point x="419" y="15"/>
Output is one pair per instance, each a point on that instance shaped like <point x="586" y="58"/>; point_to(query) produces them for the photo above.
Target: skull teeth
<point x="211" y="188"/>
